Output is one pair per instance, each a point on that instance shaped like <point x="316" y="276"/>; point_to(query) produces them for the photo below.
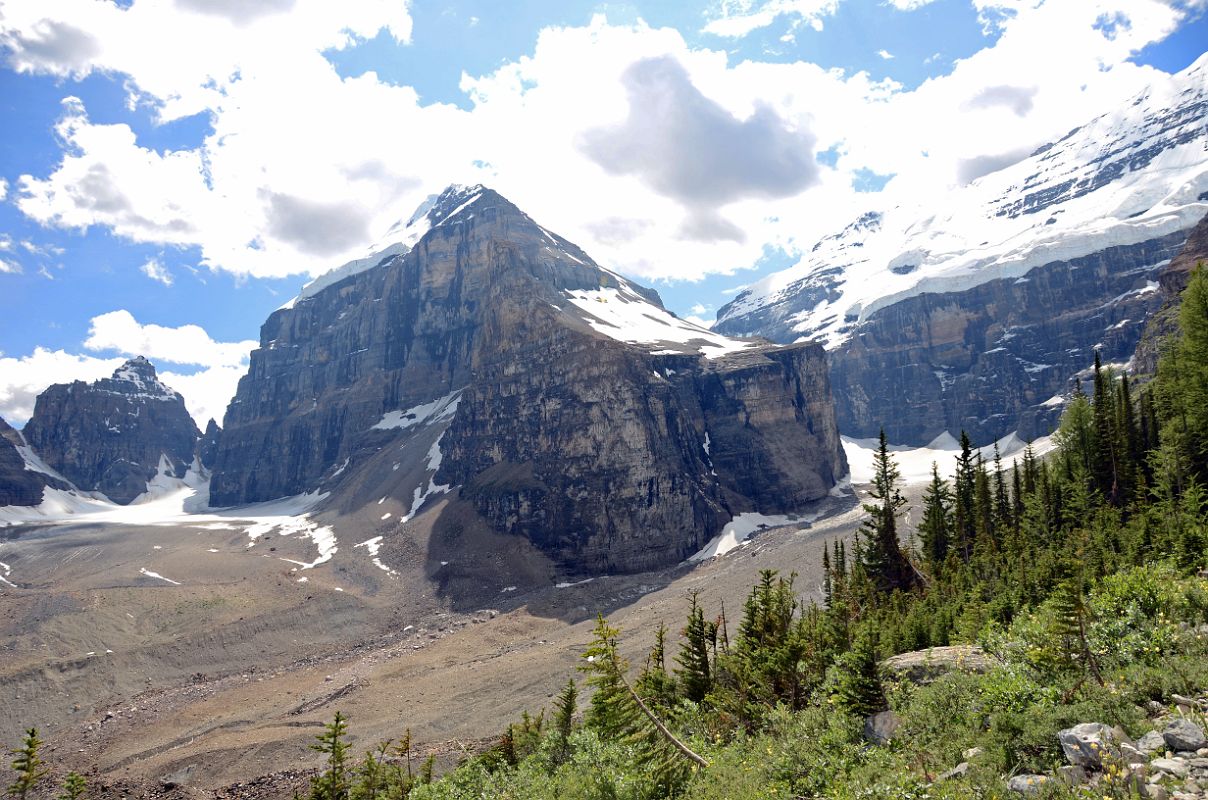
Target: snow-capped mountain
<point x="492" y="378"/>
<point x="1128" y="176"/>
<point x="1088" y="219"/>
<point x="114" y="436"/>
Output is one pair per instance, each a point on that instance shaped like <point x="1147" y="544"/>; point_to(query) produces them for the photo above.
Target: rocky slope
<point x="115" y="434"/>
<point x="22" y="479"/>
<point x="496" y="363"/>
<point x="975" y="313"/>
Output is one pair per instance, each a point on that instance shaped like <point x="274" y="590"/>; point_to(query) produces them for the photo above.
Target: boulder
<point x="880" y="727"/>
<point x="1183" y="734"/>
<point x="925" y="666"/>
<point x="1087" y="744"/>
<point x="1027" y="784"/>
<point x="1151" y="742"/>
<point x="1171" y="766"/>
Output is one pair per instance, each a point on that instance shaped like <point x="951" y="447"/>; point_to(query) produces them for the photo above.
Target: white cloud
<point x="909" y="5"/>
<point x="206" y="391"/>
<point x="3" y="189"/>
<point x="188" y="344"/>
<point x="302" y="164"/>
<point x="885" y="54"/>
<point x="23" y="379"/>
<point x="737" y="18"/>
<point x="8" y="267"/>
<point x="156" y="271"/>
<point x="700" y="308"/>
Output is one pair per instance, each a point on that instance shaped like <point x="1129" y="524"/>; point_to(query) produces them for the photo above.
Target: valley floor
<point x="177" y="653"/>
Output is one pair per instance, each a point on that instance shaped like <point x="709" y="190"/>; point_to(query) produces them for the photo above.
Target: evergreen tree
<point x="74" y="787"/>
<point x="695" y="672"/>
<point x="883" y="561"/>
<point x="27" y="763"/>
<point x="564" y="721"/>
<point x="963" y="513"/>
<point x="1002" y="499"/>
<point x="332" y="783"/>
<point x="934" y="527"/>
<point x="858" y="687"/>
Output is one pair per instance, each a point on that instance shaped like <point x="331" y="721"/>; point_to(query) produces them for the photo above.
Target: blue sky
<point x="189" y="182"/>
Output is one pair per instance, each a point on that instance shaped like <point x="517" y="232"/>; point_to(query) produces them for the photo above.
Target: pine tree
<point x="1070" y="618"/>
<point x="695" y="671"/>
<point x="74" y="787"/>
<point x="564" y="721"/>
<point x="332" y="783"/>
<point x="883" y="561"/>
<point x="934" y="527"/>
<point x="27" y="763"/>
<point x="858" y="686"/>
<point x="964" y="516"/>
<point x="1002" y="499"/>
<point x="828" y="586"/>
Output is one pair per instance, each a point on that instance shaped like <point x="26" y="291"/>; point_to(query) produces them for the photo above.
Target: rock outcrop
<point x="109" y="436"/>
<point x="1172" y="280"/>
<point x="573" y="410"/>
<point x="19" y="485"/>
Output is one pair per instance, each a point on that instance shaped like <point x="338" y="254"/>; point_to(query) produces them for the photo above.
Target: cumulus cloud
<point x="293" y="141"/>
<point x="691" y="149"/>
<point x="188" y="344"/>
<point x="970" y="169"/>
<point x="909" y="5"/>
<point x="3" y="189"/>
<point x="317" y="227"/>
<point x="885" y="54"/>
<point x="53" y="46"/>
<point x="23" y="379"/>
<point x="9" y="267"/>
<point x="1017" y="99"/>
<point x="156" y="272"/>
<point x="239" y="12"/>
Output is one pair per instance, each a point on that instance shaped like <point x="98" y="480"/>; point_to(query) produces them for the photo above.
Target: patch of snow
<point x="386" y="516"/>
<point x="6" y="571"/>
<point x="373" y="546"/>
<point x="739" y="529"/>
<point x="507" y="589"/>
<point x="439" y="410"/>
<point x="157" y="576"/>
<point x="914" y="463"/>
<point x="568" y="584"/>
<point x="422" y="493"/>
<point x="624" y="315"/>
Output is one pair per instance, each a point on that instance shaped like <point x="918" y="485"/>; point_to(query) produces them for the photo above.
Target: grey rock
<point x="1086" y="745"/>
<point x="959" y="771"/>
<point x="1155" y="792"/>
<point x="1151" y="742"/>
<point x="1171" y="766"/>
<point x="19" y="485"/>
<point x="1183" y="734"/>
<point x="591" y="449"/>
<point x="1071" y="775"/>
<point x="924" y="666"/>
<point x="972" y="753"/>
<point x="881" y="727"/>
<point x="109" y="435"/>
<point x="1027" y="784"/>
<point x="1131" y="754"/>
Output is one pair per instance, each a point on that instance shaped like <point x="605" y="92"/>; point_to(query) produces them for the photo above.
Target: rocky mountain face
<point x="974" y="311"/>
<point x="547" y="397"/>
<point x="109" y="435"/>
<point x="1172" y="280"/>
<point x="19" y="484"/>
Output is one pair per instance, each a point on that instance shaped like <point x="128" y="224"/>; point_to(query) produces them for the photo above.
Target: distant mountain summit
<point x="116" y="434"/>
<point x="975" y="312"/>
<point x="495" y="379"/>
